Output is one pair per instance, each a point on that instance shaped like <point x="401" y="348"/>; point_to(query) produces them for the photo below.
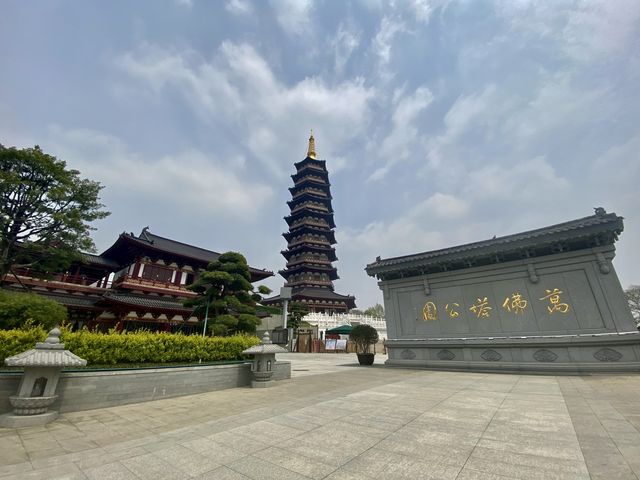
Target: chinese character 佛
<point x="451" y="311"/>
<point x="516" y="303"/>
<point x="481" y="308"/>
<point x="554" y="299"/>
<point x="429" y="312"/>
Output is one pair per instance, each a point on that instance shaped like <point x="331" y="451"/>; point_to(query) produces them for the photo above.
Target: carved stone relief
<point x="446" y="355"/>
<point x="544" y="355"/>
<point x="607" y="355"/>
<point x="491" y="356"/>
<point x="407" y="354"/>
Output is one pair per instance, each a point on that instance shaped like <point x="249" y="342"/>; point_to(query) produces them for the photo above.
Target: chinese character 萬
<point x="430" y="312"/>
<point x="554" y="298"/>
<point x="516" y="303"/>
<point x="481" y="308"/>
<point x="451" y="311"/>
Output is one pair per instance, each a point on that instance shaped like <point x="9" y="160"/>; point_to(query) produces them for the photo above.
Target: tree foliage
<point x="18" y="310"/>
<point x="225" y="286"/>
<point x="297" y="311"/>
<point x="633" y="297"/>
<point x="363" y="336"/>
<point x="376" y="311"/>
<point x="45" y="210"/>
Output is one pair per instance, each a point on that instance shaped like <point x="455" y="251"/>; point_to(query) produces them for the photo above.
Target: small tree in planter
<point x="364" y="336"/>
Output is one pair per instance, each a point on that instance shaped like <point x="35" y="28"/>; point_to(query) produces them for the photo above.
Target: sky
<point x="442" y="122"/>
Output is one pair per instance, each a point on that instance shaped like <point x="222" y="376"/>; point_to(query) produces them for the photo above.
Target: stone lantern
<point x="37" y="390"/>
<point x="264" y="361"/>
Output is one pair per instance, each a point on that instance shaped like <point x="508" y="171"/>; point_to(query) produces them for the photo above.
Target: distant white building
<point x="324" y="322"/>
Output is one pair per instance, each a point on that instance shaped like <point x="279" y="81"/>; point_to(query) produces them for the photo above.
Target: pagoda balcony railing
<point x="57" y="280"/>
<point x="311" y="260"/>
<point x="313" y="191"/>
<point x="312" y="178"/>
<point x="316" y="283"/>
<point x="312" y="206"/>
<point x="313" y="241"/>
<point x="310" y="221"/>
<point x="312" y="166"/>
<point x="128" y="280"/>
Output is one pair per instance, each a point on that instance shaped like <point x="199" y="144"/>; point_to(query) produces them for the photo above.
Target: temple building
<point x="138" y="282"/>
<point x="310" y="249"/>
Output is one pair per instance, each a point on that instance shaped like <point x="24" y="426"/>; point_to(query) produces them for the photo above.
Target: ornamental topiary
<point x="363" y="336"/>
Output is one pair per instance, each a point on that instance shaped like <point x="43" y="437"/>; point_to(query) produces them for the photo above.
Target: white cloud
<point x="403" y="141"/>
<point x="239" y="87"/>
<point x="444" y="206"/>
<point x="344" y="43"/>
<point x="239" y="7"/>
<point x="184" y="3"/>
<point x="383" y="41"/>
<point x="293" y="15"/>
<point x="193" y="179"/>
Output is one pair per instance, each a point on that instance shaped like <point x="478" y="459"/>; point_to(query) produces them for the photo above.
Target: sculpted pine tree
<point x="227" y="296"/>
<point x="297" y="311"/>
<point x="45" y="211"/>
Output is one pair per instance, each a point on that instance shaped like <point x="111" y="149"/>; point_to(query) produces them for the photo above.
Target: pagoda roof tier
<point x="309" y="212"/>
<point x="310" y="267"/>
<point x="325" y="187"/>
<point x="307" y="179"/>
<point x="128" y="247"/>
<point x="311" y="171"/>
<point x="309" y="197"/>
<point x="307" y="229"/>
<point x="314" y="192"/>
<point x="330" y="252"/>
<point x="313" y="162"/>
<point x="318" y="295"/>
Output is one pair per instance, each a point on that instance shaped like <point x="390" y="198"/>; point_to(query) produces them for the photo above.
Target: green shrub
<point x="364" y="336"/>
<point x="13" y="342"/>
<point x="20" y="309"/>
<point x="134" y="347"/>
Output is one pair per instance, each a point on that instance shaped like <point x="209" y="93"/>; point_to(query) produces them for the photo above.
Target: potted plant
<point x="364" y="336"/>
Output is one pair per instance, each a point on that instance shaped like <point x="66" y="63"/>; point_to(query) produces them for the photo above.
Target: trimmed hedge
<point x="132" y="347"/>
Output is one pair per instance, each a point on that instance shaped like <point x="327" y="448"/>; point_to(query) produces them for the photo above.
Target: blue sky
<point x="441" y="122"/>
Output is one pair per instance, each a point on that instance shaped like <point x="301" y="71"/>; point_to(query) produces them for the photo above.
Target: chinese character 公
<point x="554" y="299"/>
<point x="515" y="303"/>
<point x="481" y="308"/>
<point x="450" y="311"/>
<point x="430" y="312"/>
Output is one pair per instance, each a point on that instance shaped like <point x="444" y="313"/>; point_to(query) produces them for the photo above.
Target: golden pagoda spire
<point x="311" y="152"/>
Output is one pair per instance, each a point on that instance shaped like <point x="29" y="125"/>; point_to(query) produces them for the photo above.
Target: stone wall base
<point x="88" y="389"/>
<point x="569" y="354"/>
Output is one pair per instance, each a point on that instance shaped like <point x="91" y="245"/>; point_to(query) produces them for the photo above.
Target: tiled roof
<point x="601" y="228"/>
<point x="91" y="259"/>
<point x="146" y="301"/>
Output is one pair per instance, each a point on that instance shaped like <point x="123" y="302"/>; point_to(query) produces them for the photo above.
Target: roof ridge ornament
<point x="311" y="151"/>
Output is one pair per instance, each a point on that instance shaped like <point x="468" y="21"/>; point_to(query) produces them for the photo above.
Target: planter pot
<point x="366" y="358"/>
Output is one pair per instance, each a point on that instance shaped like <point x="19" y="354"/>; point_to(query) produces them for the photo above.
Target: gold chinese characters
<point x="515" y="304"/>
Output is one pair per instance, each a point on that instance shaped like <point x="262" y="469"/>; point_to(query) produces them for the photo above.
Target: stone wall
<point x="86" y="390"/>
<point x="562" y="312"/>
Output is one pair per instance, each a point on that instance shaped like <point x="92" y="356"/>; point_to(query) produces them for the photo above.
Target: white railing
<point x="325" y="321"/>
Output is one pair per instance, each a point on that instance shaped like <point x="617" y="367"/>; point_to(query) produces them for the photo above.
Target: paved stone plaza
<point x="338" y="421"/>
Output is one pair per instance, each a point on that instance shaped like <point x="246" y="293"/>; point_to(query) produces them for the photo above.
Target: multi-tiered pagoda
<point x="310" y="249"/>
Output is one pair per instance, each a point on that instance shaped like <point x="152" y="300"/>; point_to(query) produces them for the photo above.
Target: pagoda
<point x="310" y="249"/>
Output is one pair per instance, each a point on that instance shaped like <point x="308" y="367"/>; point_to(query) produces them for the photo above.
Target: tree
<point x="45" y="211"/>
<point x="20" y="309"/>
<point x="297" y="310"/>
<point x="633" y="297"/>
<point x="363" y="336"/>
<point x="227" y="295"/>
<point x="376" y="311"/>
<point x="355" y="311"/>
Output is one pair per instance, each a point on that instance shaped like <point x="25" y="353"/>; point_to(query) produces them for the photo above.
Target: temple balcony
<point x="67" y="282"/>
<point x="155" y="286"/>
